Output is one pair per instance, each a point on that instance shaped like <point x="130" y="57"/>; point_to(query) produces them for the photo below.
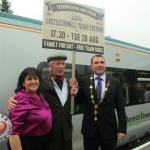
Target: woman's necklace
<point x="92" y="96"/>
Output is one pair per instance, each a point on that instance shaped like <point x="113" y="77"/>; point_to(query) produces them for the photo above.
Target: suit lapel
<point x="50" y="83"/>
<point x="107" y="79"/>
<point x="94" y="90"/>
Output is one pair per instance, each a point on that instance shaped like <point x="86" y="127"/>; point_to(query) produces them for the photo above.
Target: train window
<point x="125" y="92"/>
<point x="143" y="86"/>
<point x="121" y="75"/>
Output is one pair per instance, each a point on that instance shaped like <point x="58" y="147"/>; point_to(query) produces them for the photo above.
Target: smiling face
<point x="98" y="65"/>
<point x="58" y="67"/>
<point x="31" y="84"/>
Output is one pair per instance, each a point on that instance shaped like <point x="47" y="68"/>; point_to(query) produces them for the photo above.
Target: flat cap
<point x="56" y="57"/>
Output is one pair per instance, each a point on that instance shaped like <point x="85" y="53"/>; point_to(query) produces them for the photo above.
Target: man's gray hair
<point x="50" y="63"/>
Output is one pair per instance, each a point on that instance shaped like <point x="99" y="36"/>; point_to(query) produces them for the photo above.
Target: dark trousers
<point x="58" y="142"/>
<point x="33" y="142"/>
<point x="97" y="140"/>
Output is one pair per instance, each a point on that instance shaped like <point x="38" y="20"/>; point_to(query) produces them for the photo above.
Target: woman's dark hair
<point x="28" y="71"/>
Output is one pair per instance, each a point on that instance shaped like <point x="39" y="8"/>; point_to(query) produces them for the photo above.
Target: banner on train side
<point x="72" y="26"/>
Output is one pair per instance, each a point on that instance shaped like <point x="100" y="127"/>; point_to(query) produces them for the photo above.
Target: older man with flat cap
<point x="57" y="90"/>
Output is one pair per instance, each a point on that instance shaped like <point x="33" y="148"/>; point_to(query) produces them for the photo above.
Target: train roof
<point x="37" y="25"/>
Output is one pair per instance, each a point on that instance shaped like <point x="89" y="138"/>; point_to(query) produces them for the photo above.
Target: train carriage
<point x="21" y="47"/>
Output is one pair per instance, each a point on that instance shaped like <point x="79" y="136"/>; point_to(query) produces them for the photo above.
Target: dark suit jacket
<point x="107" y="122"/>
<point x="62" y="119"/>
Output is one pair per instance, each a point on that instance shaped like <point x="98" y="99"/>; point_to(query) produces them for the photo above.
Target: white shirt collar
<point x="103" y="77"/>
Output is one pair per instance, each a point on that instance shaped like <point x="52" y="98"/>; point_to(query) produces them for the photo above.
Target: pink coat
<point x="32" y="116"/>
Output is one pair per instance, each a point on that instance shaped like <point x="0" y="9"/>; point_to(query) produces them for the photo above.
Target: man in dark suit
<point x="102" y="95"/>
<point x="57" y="90"/>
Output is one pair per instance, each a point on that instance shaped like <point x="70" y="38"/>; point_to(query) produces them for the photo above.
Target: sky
<point x="125" y="20"/>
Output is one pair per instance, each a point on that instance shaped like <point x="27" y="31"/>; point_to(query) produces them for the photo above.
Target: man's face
<point x="98" y="65"/>
<point x="58" y="67"/>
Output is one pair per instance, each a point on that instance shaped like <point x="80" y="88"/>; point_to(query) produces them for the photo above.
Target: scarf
<point x="58" y="79"/>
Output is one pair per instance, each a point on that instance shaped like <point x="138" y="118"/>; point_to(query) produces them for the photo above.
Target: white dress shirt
<point x="62" y="94"/>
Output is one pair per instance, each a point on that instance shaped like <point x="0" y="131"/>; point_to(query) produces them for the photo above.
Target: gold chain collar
<point x="92" y="96"/>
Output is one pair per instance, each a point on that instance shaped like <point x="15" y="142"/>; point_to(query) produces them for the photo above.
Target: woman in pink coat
<point x="31" y="118"/>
